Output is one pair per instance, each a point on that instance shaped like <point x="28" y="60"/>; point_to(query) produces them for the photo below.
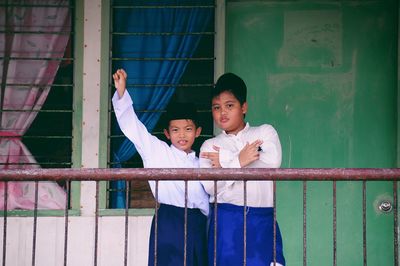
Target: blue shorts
<point x="171" y="233"/>
<point x="230" y="240"/>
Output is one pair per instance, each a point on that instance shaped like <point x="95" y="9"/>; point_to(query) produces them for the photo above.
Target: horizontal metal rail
<point x="67" y="32"/>
<point x="34" y="5"/>
<point x="163" y="58"/>
<point x="103" y="174"/>
<point x="170" y="85"/>
<point x="162" y="33"/>
<point x="34" y="58"/>
<point x="162" y="6"/>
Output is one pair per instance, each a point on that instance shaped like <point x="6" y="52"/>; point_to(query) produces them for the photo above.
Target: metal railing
<point x="329" y="174"/>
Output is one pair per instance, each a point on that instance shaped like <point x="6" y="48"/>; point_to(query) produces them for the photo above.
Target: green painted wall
<point x="324" y="74"/>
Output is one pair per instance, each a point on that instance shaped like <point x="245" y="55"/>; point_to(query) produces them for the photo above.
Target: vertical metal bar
<point x="185" y="225"/>
<point x="215" y="221"/>
<point x="156" y="225"/>
<point x="244" y="221"/>
<point x="396" y="228"/>
<point x="304" y="223"/>
<point x="5" y="223"/>
<point x="364" y="206"/>
<point x="126" y="222"/>
<point x="35" y="223"/>
<point x="274" y="206"/>
<point x="67" y="184"/>
<point x="334" y="224"/>
<point x="96" y="224"/>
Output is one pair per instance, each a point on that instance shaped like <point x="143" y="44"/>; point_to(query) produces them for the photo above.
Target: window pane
<point x="176" y="40"/>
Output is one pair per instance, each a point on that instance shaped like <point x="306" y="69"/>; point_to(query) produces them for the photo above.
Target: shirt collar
<point x="190" y="155"/>
<point x="241" y="132"/>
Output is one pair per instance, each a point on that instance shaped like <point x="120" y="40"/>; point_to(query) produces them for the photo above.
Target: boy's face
<point x="228" y="113"/>
<point x="182" y="133"/>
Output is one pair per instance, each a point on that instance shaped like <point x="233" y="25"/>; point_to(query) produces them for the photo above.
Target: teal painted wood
<point x="77" y="101"/>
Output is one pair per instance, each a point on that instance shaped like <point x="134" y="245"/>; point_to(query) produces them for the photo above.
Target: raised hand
<point x="249" y="153"/>
<point x="120" y="81"/>
<point x="213" y="157"/>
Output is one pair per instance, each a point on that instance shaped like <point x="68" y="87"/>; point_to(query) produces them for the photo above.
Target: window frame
<point x="106" y="81"/>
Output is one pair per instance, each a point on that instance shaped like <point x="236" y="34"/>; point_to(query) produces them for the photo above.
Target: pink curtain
<point x="29" y="82"/>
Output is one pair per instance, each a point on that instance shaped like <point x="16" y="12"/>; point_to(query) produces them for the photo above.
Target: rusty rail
<point x="108" y="174"/>
<point x="281" y="174"/>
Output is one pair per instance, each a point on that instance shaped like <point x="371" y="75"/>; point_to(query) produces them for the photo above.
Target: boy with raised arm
<point x="240" y="145"/>
<point x="182" y="131"/>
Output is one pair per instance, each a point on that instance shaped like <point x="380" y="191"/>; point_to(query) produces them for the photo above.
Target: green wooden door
<point x="324" y="74"/>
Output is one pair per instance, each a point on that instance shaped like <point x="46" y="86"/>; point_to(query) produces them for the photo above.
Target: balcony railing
<point x="330" y="174"/>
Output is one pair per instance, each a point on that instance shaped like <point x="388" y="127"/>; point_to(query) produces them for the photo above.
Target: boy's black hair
<point x="179" y="110"/>
<point x="233" y="84"/>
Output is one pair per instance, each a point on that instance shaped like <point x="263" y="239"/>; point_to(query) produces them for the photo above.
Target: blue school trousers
<point x="170" y="237"/>
<point x="259" y="236"/>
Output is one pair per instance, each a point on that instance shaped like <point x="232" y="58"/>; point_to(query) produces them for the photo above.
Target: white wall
<point x="50" y="241"/>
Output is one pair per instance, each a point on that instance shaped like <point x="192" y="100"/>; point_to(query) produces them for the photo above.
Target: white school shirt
<point x="259" y="193"/>
<point x="158" y="154"/>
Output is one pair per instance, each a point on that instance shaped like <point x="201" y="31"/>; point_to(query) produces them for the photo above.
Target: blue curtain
<point x="151" y="70"/>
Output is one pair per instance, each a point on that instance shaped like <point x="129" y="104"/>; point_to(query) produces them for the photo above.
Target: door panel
<point x="324" y="74"/>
